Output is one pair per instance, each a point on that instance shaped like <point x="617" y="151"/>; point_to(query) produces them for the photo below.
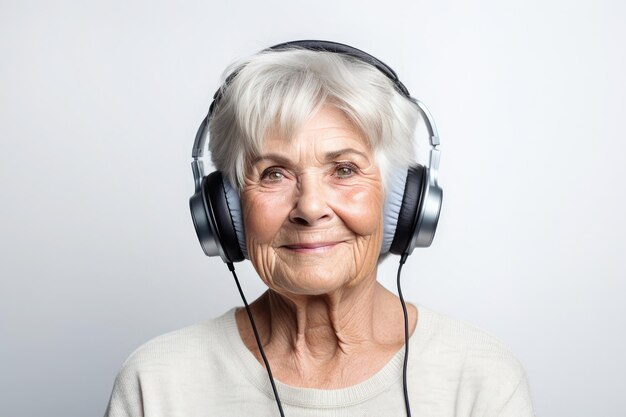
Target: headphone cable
<point x="231" y="268"/>
<point x="406" y="336"/>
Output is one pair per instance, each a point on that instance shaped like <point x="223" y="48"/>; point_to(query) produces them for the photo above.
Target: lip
<point x="311" y="247"/>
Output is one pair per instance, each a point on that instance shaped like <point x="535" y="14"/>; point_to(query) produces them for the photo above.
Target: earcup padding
<point x="219" y="212"/>
<point x="393" y="203"/>
<point x="236" y="215"/>
<point x="405" y="229"/>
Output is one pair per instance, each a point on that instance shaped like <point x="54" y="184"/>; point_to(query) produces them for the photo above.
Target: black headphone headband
<point x="340" y="48"/>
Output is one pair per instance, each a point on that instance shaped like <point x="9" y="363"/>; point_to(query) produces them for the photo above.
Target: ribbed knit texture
<point x="455" y="370"/>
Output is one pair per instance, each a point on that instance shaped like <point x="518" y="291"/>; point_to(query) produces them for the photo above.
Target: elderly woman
<point x="317" y="180"/>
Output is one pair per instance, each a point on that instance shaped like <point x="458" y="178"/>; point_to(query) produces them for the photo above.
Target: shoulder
<point x="175" y="355"/>
<point x="473" y="343"/>
<point x="486" y="372"/>
<point x="155" y="372"/>
<point x="180" y="346"/>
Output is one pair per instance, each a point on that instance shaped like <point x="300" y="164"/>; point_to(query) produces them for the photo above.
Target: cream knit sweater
<point x="455" y="370"/>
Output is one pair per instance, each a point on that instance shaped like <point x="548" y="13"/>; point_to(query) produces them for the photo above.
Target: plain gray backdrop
<point x="99" y="104"/>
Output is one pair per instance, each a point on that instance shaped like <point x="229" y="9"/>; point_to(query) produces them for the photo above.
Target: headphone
<point x="413" y="200"/>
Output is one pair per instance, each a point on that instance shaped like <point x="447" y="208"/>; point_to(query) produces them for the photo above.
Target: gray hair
<point x="281" y="90"/>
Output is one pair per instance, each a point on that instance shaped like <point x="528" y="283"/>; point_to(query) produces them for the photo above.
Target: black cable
<point x="231" y="268"/>
<point x="406" y="337"/>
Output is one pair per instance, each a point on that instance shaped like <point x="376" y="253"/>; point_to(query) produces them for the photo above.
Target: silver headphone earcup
<point x="428" y="215"/>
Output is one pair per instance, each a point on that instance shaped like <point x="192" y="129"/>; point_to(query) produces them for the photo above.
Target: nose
<point x="310" y="203"/>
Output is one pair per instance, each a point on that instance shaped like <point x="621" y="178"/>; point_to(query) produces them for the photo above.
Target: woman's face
<point x="313" y="208"/>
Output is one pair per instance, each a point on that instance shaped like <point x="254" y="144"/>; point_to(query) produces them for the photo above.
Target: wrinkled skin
<point x="313" y="217"/>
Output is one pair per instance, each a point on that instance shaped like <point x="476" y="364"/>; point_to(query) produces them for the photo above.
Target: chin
<point x="313" y="280"/>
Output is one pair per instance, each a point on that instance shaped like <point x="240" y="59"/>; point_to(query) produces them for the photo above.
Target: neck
<point x="322" y="327"/>
<point x="314" y="340"/>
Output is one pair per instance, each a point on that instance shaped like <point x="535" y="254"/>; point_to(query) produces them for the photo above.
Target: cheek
<point x="361" y="210"/>
<point x="263" y="216"/>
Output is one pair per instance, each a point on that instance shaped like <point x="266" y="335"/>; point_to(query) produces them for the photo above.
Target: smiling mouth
<point x="311" y="247"/>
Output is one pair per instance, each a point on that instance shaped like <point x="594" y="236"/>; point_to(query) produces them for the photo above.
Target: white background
<point x="99" y="104"/>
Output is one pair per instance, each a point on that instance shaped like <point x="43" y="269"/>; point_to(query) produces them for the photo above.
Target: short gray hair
<point x="281" y="90"/>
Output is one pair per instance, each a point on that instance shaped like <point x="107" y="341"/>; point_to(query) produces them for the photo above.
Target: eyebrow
<point x="336" y="154"/>
<point x="330" y="156"/>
